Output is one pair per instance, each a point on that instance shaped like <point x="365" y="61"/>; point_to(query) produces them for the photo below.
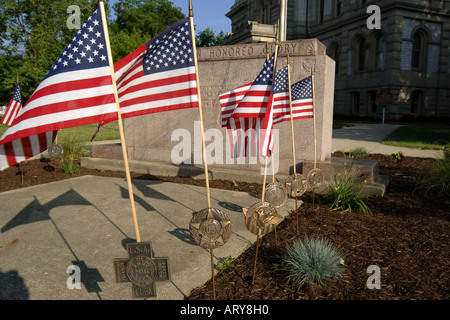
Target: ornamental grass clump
<point x="73" y="149"/>
<point x="310" y="261"/>
<point x="437" y="183"/>
<point x="343" y="196"/>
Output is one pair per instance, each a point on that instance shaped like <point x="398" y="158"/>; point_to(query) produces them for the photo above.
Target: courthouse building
<point x="407" y="56"/>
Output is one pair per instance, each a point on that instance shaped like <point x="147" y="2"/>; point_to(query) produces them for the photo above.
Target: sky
<point x="207" y="13"/>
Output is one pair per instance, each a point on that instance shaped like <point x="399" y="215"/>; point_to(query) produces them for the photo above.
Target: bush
<point x="342" y="195"/>
<point x="311" y="261"/>
<point x="437" y="182"/>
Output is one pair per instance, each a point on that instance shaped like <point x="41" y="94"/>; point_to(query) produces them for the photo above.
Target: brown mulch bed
<point x="406" y="236"/>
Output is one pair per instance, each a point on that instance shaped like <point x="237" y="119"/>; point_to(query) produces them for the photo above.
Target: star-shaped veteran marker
<point x="141" y="269"/>
<point x="210" y="228"/>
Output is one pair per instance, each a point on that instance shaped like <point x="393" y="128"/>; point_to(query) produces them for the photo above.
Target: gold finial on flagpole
<point x="191" y="9"/>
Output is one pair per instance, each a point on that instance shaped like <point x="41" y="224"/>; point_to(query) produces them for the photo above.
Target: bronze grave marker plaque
<point x="141" y="269"/>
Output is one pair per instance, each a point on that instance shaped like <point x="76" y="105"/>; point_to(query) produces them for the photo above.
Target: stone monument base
<point x="364" y="171"/>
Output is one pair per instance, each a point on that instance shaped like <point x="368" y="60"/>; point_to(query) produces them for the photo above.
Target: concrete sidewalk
<point x="370" y="136"/>
<point x="87" y="221"/>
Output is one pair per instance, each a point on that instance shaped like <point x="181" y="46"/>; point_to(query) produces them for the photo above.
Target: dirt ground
<point x="406" y="236"/>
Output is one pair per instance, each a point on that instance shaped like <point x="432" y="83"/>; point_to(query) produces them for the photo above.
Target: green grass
<point x="419" y="137"/>
<point x="340" y="125"/>
<point x="109" y="131"/>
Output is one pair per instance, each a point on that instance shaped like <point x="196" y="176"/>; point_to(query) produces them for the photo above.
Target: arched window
<point x="339" y="5"/>
<point x="380" y="50"/>
<point x="333" y="52"/>
<point x="360" y="54"/>
<point x="321" y="10"/>
<point x="418" y="50"/>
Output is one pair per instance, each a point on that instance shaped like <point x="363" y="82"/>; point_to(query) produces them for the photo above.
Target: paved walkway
<point x="87" y="221"/>
<point x="370" y="136"/>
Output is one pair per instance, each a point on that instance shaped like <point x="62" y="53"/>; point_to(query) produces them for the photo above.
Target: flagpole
<point x="122" y="136"/>
<point x="290" y="108"/>
<point x="194" y="45"/>
<point x="273" y="79"/>
<point x="314" y="117"/>
<point x="314" y="126"/>
<point x="292" y="134"/>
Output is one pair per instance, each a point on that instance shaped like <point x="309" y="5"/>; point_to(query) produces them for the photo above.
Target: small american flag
<point x="77" y="90"/>
<point x="14" y="106"/>
<point x="302" y="102"/>
<point x="242" y="111"/>
<point x="160" y="75"/>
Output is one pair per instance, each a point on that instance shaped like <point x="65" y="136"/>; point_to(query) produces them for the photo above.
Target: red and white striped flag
<point x="160" y="75"/>
<point x="14" y="106"/>
<point x="255" y="101"/>
<point x="77" y="90"/>
<point x="242" y="111"/>
<point x="244" y="135"/>
<point x="230" y="100"/>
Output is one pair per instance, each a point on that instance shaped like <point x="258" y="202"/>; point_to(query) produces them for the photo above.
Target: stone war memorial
<point x="170" y="143"/>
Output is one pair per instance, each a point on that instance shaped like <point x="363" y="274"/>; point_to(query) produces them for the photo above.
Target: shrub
<point x="311" y="261"/>
<point x="437" y="182"/>
<point x="342" y="195"/>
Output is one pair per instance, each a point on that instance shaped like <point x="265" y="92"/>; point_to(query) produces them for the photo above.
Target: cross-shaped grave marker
<point x="141" y="269"/>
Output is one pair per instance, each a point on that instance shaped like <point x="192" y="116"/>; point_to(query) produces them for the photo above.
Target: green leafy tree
<point x="34" y="33"/>
<point x="208" y="38"/>
<point x="139" y="21"/>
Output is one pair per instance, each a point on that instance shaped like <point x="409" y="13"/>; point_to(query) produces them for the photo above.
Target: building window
<point x="264" y="13"/>
<point x="339" y="4"/>
<point x="321" y="10"/>
<point x="372" y="101"/>
<point x="418" y="51"/>
<point x="334" y="53"/>
<point x="360" y="56"/>
<point x="417" y="102"/>
<point x="356" y="102"/>
<point x="380" y="49"/>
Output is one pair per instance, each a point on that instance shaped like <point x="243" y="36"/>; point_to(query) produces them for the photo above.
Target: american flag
<point x="230" y="100"/>
<point x="302" y="103"/>
<point x="257" y="97"/>
<point x="302" y="99"/>
<point x="244" y="135"/>
<point x="160" y="75"/>
<point x="77" y="90"/>
<point x="242" y="111"/>
<point x="14" y="106"/>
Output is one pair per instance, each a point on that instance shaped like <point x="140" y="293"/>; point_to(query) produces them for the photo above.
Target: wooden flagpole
<point x="191" y="17"/>
<point x="292" y="134"/>
<point x="265" y="168"/>
<point x="314" y="126"/>
<point x="267" y="58"/>
<point x="194" y="45"/>
<point x="314" y="118"/>
<point x="122" y="136"/>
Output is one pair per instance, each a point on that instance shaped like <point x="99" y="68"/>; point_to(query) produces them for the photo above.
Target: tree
<point x="34" y="33"/>
<point x="208" y="38"/>
<point x="139" y="21"/>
